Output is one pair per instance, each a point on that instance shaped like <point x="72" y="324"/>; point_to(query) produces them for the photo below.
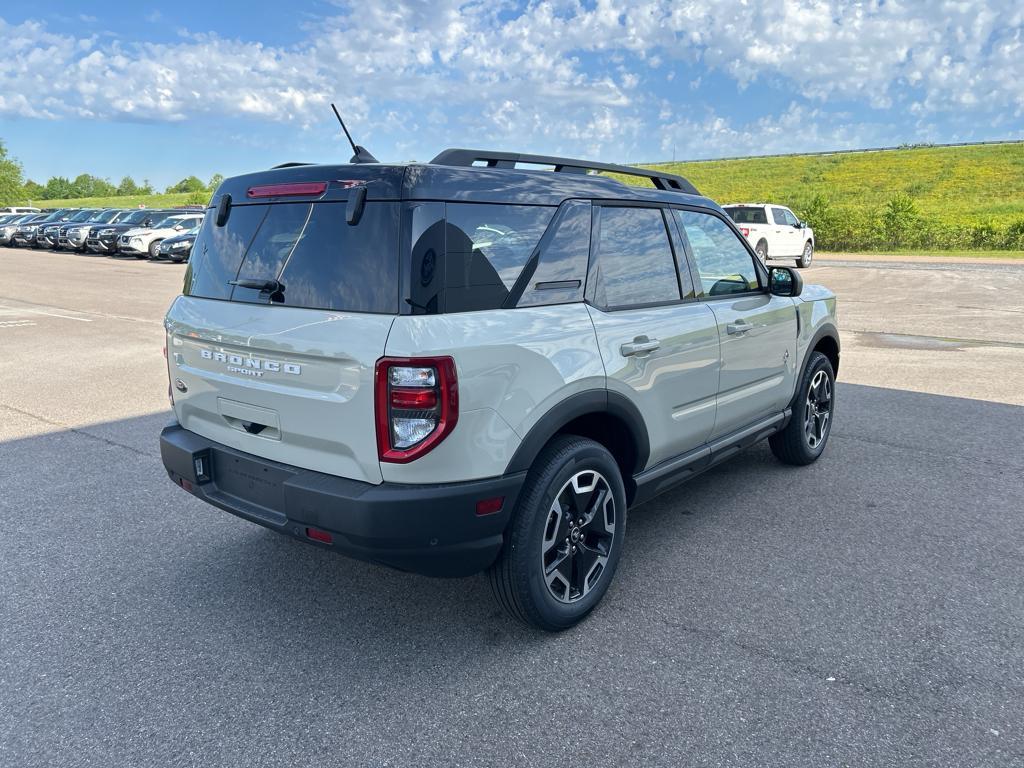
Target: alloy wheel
<point x="818" y="409"/>
<point x="578" y="536"/>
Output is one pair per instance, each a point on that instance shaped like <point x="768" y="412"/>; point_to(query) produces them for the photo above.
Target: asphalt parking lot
<point x="867" y="610"/>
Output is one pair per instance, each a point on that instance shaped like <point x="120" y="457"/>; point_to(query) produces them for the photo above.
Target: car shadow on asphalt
<point x="901" y="468"/>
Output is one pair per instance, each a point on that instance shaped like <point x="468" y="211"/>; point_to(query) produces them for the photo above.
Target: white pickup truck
<point x="774" y="231"/>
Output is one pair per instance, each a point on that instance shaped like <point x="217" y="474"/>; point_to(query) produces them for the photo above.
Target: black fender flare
<point x="576" y="405"/>
<point x="825" y="330"/>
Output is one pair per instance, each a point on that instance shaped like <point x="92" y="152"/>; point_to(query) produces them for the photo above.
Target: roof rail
<point x="469" y="157"/>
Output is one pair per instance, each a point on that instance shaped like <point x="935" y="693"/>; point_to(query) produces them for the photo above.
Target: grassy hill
<point x="969" y="197"/>
<point x="129" y="201"/>
<point x="955" y="198"/>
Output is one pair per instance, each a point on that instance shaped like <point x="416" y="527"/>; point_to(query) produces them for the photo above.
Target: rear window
<point x="318" y="259"/>
<point x="743" y="214"/>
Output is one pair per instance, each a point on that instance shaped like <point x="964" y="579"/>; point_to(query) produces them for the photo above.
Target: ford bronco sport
<point x="469" y="365"/>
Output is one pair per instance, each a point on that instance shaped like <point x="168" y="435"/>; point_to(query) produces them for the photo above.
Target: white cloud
<point x="515" y="75"/>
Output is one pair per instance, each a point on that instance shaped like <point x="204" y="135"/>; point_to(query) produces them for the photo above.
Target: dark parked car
<point x="27" y="229"/>
<point x="103" y="238"/>
<point x="53" y="219"/>
<point x="179" y="247"/>
<point x="75" y="234"/>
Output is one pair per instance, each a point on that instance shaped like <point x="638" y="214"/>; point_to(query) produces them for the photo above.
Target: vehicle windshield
<point x="136" y="217"/>
<point x="105" y="217"/>
<point x="83" y="215"/>
<point x="747" y="214"/>
<point x="168" y="222"/>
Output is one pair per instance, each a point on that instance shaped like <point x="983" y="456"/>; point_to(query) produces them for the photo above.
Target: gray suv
<point x="469" y="365"/>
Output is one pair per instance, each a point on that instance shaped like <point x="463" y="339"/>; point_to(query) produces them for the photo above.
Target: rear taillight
<point x="417" y="404"/>
<point x="745" y="231"/>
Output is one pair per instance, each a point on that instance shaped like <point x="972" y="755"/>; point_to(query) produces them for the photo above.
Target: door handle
<point x="641" y="345"/>
<point x="738" y="329"/>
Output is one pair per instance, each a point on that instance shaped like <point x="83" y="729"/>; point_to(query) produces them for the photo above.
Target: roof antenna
<point x="361" y="155"/>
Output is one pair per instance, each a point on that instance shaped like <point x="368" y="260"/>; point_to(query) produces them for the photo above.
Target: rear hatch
<point x="280" y="364"/>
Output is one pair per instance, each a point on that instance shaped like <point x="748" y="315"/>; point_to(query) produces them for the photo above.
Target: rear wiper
<point x="269" y="286"/>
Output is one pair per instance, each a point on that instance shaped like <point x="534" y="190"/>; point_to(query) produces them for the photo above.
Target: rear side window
<point x="633" y="262"/>
<point x="561" y="263"/>
<point x="486" y="248"/>
<point x="317" y="258"/>
<point x="747" y="214"/>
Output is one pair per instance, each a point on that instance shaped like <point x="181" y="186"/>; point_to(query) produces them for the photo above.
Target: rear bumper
<point x="429" y="529"/>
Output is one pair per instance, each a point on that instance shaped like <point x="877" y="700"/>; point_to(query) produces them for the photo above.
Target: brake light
<point x="745" y="231"/>
<point x="317" y="535"/>
<point x="417" y="405"/>
<point x="304" y="188"/>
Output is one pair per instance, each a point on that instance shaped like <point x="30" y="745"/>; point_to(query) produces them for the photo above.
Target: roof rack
<point x="470" y="157"/>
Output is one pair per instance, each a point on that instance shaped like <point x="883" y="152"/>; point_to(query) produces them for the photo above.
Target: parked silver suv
<point x="465" y="365"/>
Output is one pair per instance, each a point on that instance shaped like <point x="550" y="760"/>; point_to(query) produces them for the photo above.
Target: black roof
<point x="473" y="176"/>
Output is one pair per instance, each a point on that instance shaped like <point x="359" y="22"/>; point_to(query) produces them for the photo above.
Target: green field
<point x="960" y="198"/>
<point x="129" y="201"/>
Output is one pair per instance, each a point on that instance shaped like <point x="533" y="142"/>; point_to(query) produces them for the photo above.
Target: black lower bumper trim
<point x="428" y="529"/>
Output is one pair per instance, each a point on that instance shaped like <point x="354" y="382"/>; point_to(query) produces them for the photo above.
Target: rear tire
<point x="807" y="256"/>
<point x="762" y="251"/>
<point x="804" y="438"/>
<point x="565" y="538"/>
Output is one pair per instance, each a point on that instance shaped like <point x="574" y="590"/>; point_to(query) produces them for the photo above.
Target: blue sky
<point x="162" y="92"/>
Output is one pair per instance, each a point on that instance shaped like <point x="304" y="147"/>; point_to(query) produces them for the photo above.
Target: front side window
<point x="778" y="216"/>
<point x="790" y="218"/>
<point x="723" y="263"/>
<point x="633" y="263"/>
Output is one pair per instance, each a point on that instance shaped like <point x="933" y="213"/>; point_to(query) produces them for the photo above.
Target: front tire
<point x="565" y="538"/>
<point x="154" y="249"/>
<point x="807" y="256"/>
<point x="804" y="438"/>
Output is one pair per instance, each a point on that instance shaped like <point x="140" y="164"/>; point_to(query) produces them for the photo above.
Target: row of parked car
<point x="139" y="232"/>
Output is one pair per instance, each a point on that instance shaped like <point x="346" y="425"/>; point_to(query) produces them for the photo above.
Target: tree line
<point x="15" y="189"/>
<point x="87" y="185"/>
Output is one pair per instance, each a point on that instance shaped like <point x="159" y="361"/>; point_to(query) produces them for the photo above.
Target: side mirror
<point x="785" y="281"/>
